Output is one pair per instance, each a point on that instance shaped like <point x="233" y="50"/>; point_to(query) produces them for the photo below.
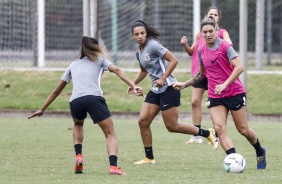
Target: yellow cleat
<point x="213" y="139"/>
<point x="146" y="161"/>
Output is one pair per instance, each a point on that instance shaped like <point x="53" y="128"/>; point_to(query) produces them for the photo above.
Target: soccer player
<point x="221" y="65"/>
<point x="87" y="97"/>
<point x="157" y="61"/>
<point x="199" y="88"/>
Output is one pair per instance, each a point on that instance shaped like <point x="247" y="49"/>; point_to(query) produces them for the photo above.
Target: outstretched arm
<point x="137" y="90"/>
<point x="56" y="92"/>
<point x="194" y="80"/>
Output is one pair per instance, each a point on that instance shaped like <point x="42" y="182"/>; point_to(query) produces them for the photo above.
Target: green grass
<point x="40" y="150"/>
<point x="29" y="89"/>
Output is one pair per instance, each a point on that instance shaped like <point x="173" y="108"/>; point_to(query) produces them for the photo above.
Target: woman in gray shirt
<point x="87" y="97"/>
<point x="157" y="61"/>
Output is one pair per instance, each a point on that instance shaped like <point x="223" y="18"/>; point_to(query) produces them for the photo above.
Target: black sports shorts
<point x="202" y="84"/>
<point x="166" y="100"/>
<point x="232" y="103"/>
<point x="95" y="106"/>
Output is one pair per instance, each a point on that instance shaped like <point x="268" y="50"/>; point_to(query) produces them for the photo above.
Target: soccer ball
<point x="234" y="163"/>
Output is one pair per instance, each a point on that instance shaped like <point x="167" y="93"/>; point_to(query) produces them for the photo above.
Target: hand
<point x="219" y="88"/>
<point x="159" y="83"/>
<point x="37" y="113"/>
<point x="130" y="91"/>
<point x="184" y="40"/>
<point x="137" y="91"/>
<point x="178" y="85"/>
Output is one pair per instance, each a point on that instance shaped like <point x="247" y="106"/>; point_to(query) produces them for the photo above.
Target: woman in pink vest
<point x="199" y="88"/>
<point x="221" y="65"/>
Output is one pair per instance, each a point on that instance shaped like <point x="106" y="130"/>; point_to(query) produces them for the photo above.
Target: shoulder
<point x="220" y="32"/>
<point x="152" y="43"/>
<point x="225" y="43"/>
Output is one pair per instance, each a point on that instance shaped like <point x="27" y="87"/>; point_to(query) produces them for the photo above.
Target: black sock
<point x="149" y="152"/>
<point x="199" y="126"/>
<point x="78" y="149"/>
<point x="231" y="150"/>
<point x="258" y="148"/>
<point x="203" y="133"/>
<point x="113" y="160"/>
<point x="215" y="133"/>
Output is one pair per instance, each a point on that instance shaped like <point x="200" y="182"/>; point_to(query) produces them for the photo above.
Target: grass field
<point x="29" y="89"/>
<point x="40" y="150"/>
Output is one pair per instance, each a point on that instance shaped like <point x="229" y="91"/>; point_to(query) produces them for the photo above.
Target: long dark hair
<point x="90" y="48"/>
<point x="151" y="31"/>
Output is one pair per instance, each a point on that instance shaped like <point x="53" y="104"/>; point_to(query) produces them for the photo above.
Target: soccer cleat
<point x="261" y="160"/>
<point x="78" y="169"/>
<point x="212" y="138"/>
<point x="146" y="161"/>
<point x="114" y="170"/>
<point x="195" y="140"/>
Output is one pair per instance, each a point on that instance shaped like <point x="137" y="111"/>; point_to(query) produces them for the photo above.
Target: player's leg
<point x="78" y="140"/>
<point x="147" y="114"/>
<point x="170" y="118"/>
<point x="112" y="145"/>
<point x="219" y="116"/>
<point x="78" y="115"/>
<point x="240" y="120"/>
<point x="169" y="103"/>
<point x="197" y="96"/>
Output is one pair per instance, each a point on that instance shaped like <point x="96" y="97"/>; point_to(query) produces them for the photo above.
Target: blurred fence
<point x="64" y="29"/>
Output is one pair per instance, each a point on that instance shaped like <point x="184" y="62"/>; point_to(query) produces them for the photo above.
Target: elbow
<point x="56" y="92"/>
<point x="116" y="70"/>
<point x="241" y="69"/>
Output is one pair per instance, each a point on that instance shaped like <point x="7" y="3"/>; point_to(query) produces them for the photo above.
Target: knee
<point x="243" y="131"/>
<point x="219" y="129"/>
<point x="142" y="122"/>
<point x="196" y="102"/>
<point x="171" y="129"/>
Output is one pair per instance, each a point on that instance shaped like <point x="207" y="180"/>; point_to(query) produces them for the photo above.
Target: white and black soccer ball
<point x="234" y="163"/>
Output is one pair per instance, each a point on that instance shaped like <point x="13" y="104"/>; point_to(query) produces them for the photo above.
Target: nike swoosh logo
<point x="165" y="105"/>
<point x="213" y="61"/>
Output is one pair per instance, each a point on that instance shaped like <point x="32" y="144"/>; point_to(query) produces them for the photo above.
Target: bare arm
<point x="238" y="69"/>
<point x="226" y="37"/>
<point x="56" y="92"/>
<point x="194" y="80"/>
<point x="137" y="90"/>
<point x="142" y="74"/>
<point x="187" y="48"/>
<point x="171" y="66"/>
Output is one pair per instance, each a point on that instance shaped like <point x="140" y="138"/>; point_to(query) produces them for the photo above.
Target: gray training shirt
<point x="152" y="60"/>
<point x="86" y="76"/>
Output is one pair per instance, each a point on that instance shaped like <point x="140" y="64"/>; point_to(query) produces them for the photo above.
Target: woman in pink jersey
<point x="199" y="89"/>
<point x="221" y="65"/>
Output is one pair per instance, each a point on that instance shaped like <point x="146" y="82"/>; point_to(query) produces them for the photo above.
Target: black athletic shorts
<point x="95" y="106"/>
<point x="202" y="84"/>
<point x="166" y="100"/>
<point x="232" y="103"/>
